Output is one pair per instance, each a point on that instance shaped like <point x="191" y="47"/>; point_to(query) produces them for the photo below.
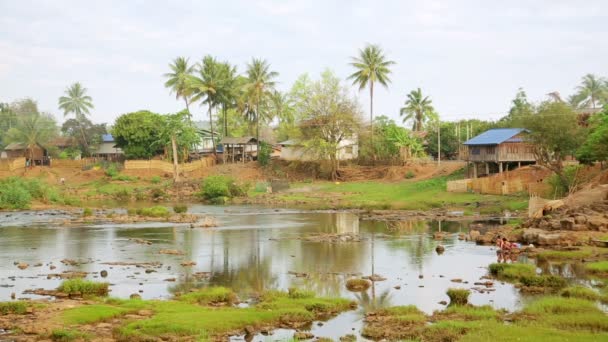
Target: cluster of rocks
<point x="326" y="237"/>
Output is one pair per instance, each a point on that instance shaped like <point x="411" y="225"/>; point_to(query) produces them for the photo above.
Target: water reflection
<point x="258" y="249"/>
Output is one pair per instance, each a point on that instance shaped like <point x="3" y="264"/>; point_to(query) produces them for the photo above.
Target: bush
<point x="17" y="193"/>
<point x="112" y="170"/>
<point x="157" y="193"/>
<point x="87" y="212"/>
<point x="155" y="180"/>
<point x="410" y="174"/>
<point x="84" y="287"/>
<point x="458" y="296"/>
<point x="14" y="197"/>
<point x="180" y="208"/>
<point x="124" y="194"/>
<point x="220" y="186"/>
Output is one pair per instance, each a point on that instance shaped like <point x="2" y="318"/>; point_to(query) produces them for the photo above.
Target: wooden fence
<point x="167" y="167"/>
<point x="72" y="164"/>
<point x="491" y="185"/>
<point x="13" y="164"/>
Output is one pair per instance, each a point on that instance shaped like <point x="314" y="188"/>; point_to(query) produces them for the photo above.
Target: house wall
<point x="107" y="148"/>
<point x="346" y="152"/>
<point x="205" y="145"/>
<point x="505" y="152"/>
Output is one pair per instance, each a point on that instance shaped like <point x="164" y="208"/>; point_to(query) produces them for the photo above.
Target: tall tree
<point x="330" y="117"/>
<point x="418" y="108"/>
<point x="257" y="90"/>
<point x="138" y="134"/>
<point x="591" y="92"/>
<point x="177" y="133"/>
<point x="177" y="80"/>
<point x="228" y="92"/>
<point x="77" y="102"/>
<point x="371" y="66"/>
<point x="206" y="87"/>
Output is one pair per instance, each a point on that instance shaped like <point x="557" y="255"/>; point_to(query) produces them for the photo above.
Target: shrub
<point x="66" y="335"/>
<point x="7" y="308"/>
<point x="180" y="208"/>
<point x="295" y="293"/>
<point x="458" y="296"/>
<point x="14" y="197"/>
<point x="410" y="174"/>
<point x="219" y="186"/>
<point x="123" y="194"/>
<point x="17" y="193"/>
<point x="124" y="178"/>
<point x="87" y="212"/>
<point x="155" y="180"/>
<point x="84" y="287"/>
<point x="261" y="186"/>
<point x="112" y="170"/>
<point x="157" y="193"/>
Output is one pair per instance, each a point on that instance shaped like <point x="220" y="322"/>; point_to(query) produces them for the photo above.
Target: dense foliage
<point x="138" y="134"/>
<point x="595" y="147"/>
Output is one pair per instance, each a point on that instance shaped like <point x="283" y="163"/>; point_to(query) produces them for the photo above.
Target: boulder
<point x="596" y="222"/>
<point x="474" y="234"/>
<point x="550" y="239"/>
<point x="567" y="223"/>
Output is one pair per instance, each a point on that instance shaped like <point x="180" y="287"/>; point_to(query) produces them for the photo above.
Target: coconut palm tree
<point x="592" y="91"/>
<point x="206" y="86"/>
<point x="33" y="129"/>
<point x="257" y="90"/>
<point x="417" y="108"/>
<point x="228" y="92"/>
<point x="177" y="80"/>
<point x="371" y="66"/>
<point x="77" y="102"/>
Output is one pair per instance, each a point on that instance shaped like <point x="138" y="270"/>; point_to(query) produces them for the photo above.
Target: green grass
<point x="560" y="305"/>
<point x="65" y="335"/>
<point x="546" y="281"/>
<point x="7" y="308"/>
<point x="497" y="332"/>
<point x="582" y="253"/>
<point x="468" y="313"/>
<point x="155" y="211"/>
<point x="84" y="287"/>
<point x="458" y="296"/>
<point x="407" y="195"/>
<point x="210" y="296"/>
<point x="512" y="271"/>
<point x="580" y="292"/>
<point x="599" y="267"/>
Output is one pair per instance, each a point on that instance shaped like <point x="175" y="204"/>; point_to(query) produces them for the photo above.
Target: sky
<point x="470" y="57"/>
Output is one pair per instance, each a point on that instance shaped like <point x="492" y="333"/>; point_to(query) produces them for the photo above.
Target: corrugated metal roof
<point x="237" y="141"/>
<point x="495" y="136"/>
<point x="15" y="147"/>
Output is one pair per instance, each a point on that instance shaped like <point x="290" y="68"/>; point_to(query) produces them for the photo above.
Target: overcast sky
<point x="469" y="56"/>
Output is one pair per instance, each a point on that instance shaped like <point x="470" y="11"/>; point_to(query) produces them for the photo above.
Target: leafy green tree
<point x="258" y="89"/>
<point x="77" y="102"/>
<point x="555" y="133"/>
<point x="591" y="92"/>
<point x="31" y="127"/>
<point x="330" y="116"/>
<point x="177" y="80"/>
<point x="371" y="66"/>
<point x="138" y="134"/>
<point x="595" y="147"/>
<point x="418" y="108"/>
<point x="180" y="135"/>
<point x="520" y="107"/>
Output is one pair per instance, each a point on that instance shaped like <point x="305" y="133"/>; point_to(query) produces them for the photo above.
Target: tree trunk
<point x="225" y="120"/>
<point x="212" y="133"/>
<point x="188" y="109"/>
<point x="257" y="128"/>
<point x="84" y="139"/>
<point x="175" y="171"/>
<point x="371" y="119"/>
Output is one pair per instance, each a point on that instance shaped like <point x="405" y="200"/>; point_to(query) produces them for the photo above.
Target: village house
<point x="496" y="150"/>
<point x="107" y="149"/>
<point x="64" y="144"/>
<point x="205" y="145"/>
<point x="37" y="155"/>
<point x="239" y="149"/>
<point x="293" y="149"/>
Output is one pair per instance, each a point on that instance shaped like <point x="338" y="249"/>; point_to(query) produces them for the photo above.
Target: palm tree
<point x="371" y="66"/>
<point x="177" y="79"/>
<point x="593" y="90"/>
<point x="257" y="90"/>
<point x="33" y="129"/>
<point x="206" y="86"/>
<point x="228" y="92"/>
<point x="77" y="102"/>
<point x="417" y="108"/>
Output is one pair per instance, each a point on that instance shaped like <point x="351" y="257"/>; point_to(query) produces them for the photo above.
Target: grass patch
<point x="88" y="314"/>
<point x="512" y="271"/>
<point x="560" y="305"/>
<point x="599" y="267"/>
<point x="210" y="296"/>
<point x="467" y="313"/>
<point x="458" y="296"/>
<point x="497" y="332"/>
<point x="180" y="208"/>
<point x="7" y="308"/>
<point x="565" y="255"/>
<point x="65" y="335"/>
<point x="395" y="323"/>
<point x="83" y="287"/>
<point x="155" y="211"/>
<point x="546" y="281"/>
<point x="580" y="292"/>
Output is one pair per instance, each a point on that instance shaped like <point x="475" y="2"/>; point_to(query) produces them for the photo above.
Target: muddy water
<point x="255" y="249"/>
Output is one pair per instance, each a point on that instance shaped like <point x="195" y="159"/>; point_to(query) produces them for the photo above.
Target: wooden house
<point x="293" y="149"/>
<point x="239" y="149"/>
<point x="498" y="149"/>
<point x="107" y="149"/>
<point x="37" y="155"/>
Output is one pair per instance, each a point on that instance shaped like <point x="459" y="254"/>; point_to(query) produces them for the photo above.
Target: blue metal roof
<point x="495" y="136"/>
<point x="107" y="138"/>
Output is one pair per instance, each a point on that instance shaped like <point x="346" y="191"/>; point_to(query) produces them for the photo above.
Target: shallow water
<point x="254" y="249"/>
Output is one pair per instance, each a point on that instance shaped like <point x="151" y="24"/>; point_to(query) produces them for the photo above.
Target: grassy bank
<point x="405" y="195"/>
